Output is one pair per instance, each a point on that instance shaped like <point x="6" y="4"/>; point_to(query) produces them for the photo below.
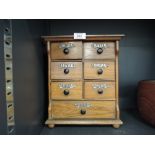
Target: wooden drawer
<point x="99" y="90"/>
<point x="99" y="70"/>
<point x="66" y="90"/>
<point x="66" y="70"/>
<point x="99" y="50"/>
<point x="66" y="50"/>
<point x="83" y="109"/>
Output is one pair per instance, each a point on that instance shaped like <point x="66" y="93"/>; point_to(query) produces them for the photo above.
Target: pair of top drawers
<point x="75" y="50"/>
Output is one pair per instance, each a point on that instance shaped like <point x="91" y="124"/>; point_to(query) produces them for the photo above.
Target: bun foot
<point x="116" y="126"/>
<point x="51" y="125"/>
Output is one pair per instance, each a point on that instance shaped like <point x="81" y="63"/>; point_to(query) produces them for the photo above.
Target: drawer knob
<point x="66" y="70"/>
<point x="83" y="112"/>
<point x="100" y="91"/>
<point x="66" y="51"/>
<point x="66" y="92"/>
<point x="100" y="71"/>
<point x="99" y="50"/>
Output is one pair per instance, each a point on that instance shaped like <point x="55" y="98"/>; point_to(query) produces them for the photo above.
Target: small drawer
<point x="66" y="90"/>
<point x="99" y="90"/>
<point x="66" y="50"/>
<point x="83" y="109"/>
<point x="66" y="70"/>
<point x="99" y="50"/>
<point x="99" y="70"/>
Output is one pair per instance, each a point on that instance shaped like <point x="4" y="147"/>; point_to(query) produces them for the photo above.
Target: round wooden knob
<point x="66" y="51"/>
<point x="100" y="71"/>
<point x="83" y="112"/>
<point x="66" y="70"/>
<point x="66" y="92"/>
<point x="100" y="91"/>
<point x="99" y="50"/>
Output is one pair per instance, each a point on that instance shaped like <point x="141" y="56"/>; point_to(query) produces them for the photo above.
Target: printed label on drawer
<point x="99" y="45"/>
<point x="100" y="65"/>
<point x="97" y="86"/>
<point x="83" y="105"/>
<point x="67" y="65"/>
<point x="79" y="35"/>
<point x="62" y="85"/>
<point x="66" y="45"/>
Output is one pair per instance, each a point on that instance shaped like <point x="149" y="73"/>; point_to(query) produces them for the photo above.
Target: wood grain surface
<point x="91" y="53"/>
<point x="74" y="52"/>
<point x="90" y="72"/>
<point x="57" y="72"/>
<point x="84" y="64"/>
<point x="102" y="37"/>
<point x="68" y="109"/>
<point x="74" y="93"/>
<point x="92" y="93"/>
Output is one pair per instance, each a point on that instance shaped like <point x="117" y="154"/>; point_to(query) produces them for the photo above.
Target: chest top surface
<point x="106" y="37"/>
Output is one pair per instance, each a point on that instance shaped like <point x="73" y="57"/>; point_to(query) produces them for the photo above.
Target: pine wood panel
<point x="102" y="37"/>
<point x="91" y="53"/>
<point x="90" y="72"/>
<point x="117" y="81"/>
<point x="92" y="93"/>
<point x="74" y="52"/>
<point x="68" y="109"/>
<point x="57" y="72"/>
<point x="74" y="93"/>
<point x="84" y="121"/>
<point x="49" y="79"/>
<point x="104" y="107"/>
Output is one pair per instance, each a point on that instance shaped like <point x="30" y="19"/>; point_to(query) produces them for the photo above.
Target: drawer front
<point x="66" y="90"/>
<point x="99" y="90"/>
<point x="99" y="70"/>
<point x="66" y="70"/>
<point x="83" y="109"/>
<point x="99" y="50"/>
<point x="66" y="50"/>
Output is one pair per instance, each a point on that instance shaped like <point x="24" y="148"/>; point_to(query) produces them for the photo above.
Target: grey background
<point x="136" y="60"/>
<point x="29" y="75"/>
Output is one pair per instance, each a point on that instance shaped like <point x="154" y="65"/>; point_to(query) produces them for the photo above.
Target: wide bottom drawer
<point x="83" y="109"/>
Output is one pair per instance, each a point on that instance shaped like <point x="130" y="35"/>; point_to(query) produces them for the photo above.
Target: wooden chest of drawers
<point x="83" y="80"/>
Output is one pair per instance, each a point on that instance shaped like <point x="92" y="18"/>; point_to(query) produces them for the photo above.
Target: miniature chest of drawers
<point x="83" y="80"/>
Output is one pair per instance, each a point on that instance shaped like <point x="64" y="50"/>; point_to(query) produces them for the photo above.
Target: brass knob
<point x="66" y="70"/>
<point x="100" y="71"/>
<point x="100" y="91"/>
<point x="99" y="50"/>
<point x="83" y="112"/>
<point x="66" y="92"/>
<point x="66" y="50"/>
